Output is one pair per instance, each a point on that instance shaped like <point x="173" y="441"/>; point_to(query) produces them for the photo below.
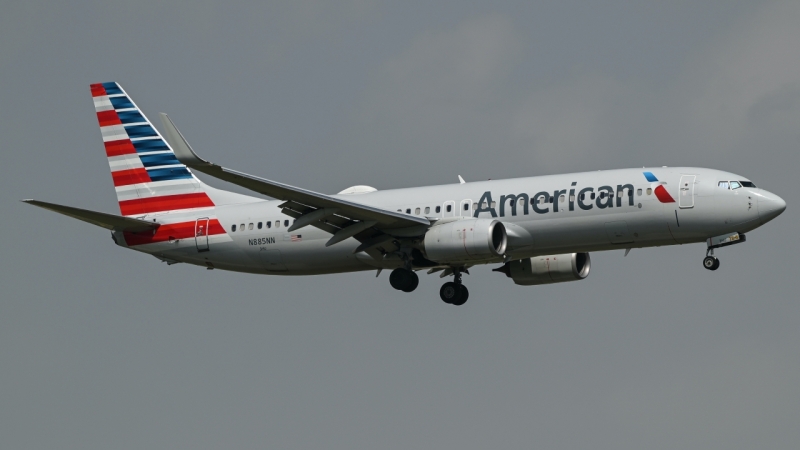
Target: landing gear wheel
<point x="450" y="292"/>
<point x="413" y="282"/>
<point x="464" y="295"/>
<point x="711" y="263"/>
<point x="404" y="280"/>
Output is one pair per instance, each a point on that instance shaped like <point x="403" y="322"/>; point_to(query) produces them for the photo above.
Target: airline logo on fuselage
<point x="587" y="198"/>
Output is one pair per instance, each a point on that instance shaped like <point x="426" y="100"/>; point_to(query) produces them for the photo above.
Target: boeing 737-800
<point x="538" y="230"/>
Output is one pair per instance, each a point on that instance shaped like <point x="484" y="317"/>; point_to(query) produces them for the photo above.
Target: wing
<point x="107" y="221"/>
<point x="340" y="217"/>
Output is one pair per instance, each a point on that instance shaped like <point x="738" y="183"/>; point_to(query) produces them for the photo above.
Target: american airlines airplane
<point x="537" y="230"/>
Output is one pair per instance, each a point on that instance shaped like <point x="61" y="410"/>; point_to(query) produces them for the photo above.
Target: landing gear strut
<point x="710" y="262"/>
<point x="453" y="292"/>
<point x="404" y="280"/>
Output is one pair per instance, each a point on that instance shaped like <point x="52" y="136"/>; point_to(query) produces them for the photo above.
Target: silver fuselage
<point x="584" y="212"/>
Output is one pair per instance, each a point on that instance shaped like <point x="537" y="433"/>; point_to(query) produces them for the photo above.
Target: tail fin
<point x="147" y="176"/>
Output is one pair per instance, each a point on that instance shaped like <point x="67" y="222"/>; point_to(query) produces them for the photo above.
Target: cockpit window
<point x="735" y="185"/>
<point x="724" y="185"/>
<point x="748" y="184"/>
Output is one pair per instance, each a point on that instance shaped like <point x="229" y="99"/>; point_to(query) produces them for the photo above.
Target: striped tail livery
<point x="147" y="176"/>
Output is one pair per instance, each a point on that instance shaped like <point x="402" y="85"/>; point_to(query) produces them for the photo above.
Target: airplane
<point x="538" y="230"/>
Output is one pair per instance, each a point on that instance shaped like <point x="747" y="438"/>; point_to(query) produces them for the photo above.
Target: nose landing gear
<point x="711" y="262"/>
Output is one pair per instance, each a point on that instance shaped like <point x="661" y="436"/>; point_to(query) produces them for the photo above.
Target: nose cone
<point x="770" y="206"/>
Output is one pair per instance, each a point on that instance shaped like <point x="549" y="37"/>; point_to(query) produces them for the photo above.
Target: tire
<point x="716" y="264"/>
<point x="710" y="263"/>
<point x="464" y="295"/>
<point x="412" y="281"/>
<point x="401" y="278"/>
<point x="450" y="293"/>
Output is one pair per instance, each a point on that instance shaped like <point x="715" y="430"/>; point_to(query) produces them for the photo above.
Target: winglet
<point x="461" y="180"/>
<point x="183" y="151"/>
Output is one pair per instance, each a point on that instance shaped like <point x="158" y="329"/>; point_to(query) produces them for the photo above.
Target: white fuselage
<point x="583" y="212"/>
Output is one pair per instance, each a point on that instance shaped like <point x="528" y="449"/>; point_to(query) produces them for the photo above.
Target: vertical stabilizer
<point x="147" y="176"/>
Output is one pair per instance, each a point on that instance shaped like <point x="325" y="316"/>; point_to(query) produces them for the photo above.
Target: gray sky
<point x="105" y="348"/>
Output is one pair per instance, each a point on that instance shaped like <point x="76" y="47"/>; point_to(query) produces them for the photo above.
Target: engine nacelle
<point x="548" y="269"/>
<point x="466" y="240"/>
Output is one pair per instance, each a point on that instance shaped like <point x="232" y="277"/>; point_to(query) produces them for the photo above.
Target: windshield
<point x="748" y="184"/>
<point x="735" y="185"/>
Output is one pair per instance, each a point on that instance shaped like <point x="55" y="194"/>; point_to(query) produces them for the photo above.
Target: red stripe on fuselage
<point x="164" y="203"/>
<point x="662" y="195"/>
<point x="130" y="176"/>
<point x="109" y="117"/>
<point x="121" y="147"/>
<point x="172" y="231"/>
<point x="97" y="90"/>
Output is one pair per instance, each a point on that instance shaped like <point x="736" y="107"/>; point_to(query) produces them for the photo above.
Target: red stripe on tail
<point x="130" y="176"/>
<point x="109" y="117"/>
<point x="97" y="90"/>
<point x="121" y="147"/>
<point x="164" y="203"/>
<point x="173" y="231"/>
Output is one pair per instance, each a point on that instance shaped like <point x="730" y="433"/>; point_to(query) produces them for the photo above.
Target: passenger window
<point x="438" y="209"/>
<point x="572" y="198"/>
<point x="583" y="196"/>
<point x="269" y="224"/>
<point x="449" y="208"/>
<point x="735" y="185"/>
<point x="233" y="227"/>
<point x="619" y="194"/>
<point x="259" y="225"/>
<point x="592" y="197"/>
<point x="474" y="206"/>
<point x="561" y="198"/>
<point x="494" y="204"/>
<point x="522" y="202"/>
<point x="603" y="194"/>
<point x="649" y="191"/>
<point x="724" y="185"/>
<point x="466" y="206"/>
<point x="408" y="210"/>
<point x="250" y="227"/>
<point x="639" y="192"/>
<point x="286" y="223"/>
<point x="277" y="224"/>
<point x="241" y="227"/>
<point x="427" y="210"/>
<point x="417" y="211"/>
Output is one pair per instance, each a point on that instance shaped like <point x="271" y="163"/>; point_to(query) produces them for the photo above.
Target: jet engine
<point x="548" y="269"/>
<point x="466" y="240"/>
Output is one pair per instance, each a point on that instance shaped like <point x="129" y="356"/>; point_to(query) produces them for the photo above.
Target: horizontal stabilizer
<point x="107" y="221"/>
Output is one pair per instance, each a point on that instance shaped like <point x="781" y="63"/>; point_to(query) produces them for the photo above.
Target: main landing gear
<point x="453" y="292"/>
<point x="404" y="280"/>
